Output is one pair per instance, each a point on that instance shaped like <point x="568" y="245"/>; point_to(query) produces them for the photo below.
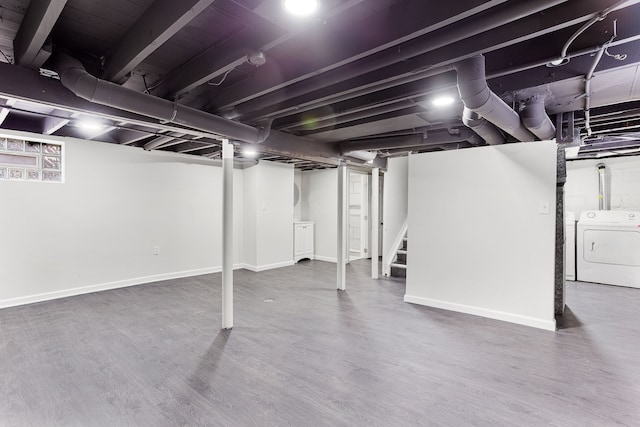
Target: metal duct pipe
<point x="535" y="118"/>
<point x="477" y="96"/>
<point x="436" y="137"/>
<point x="482" y="127"/>
<point x="75" y="78"/>
<point x="603" y="195"/>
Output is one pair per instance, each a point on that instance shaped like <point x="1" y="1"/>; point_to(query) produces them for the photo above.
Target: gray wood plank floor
<point x="153" y="355"/>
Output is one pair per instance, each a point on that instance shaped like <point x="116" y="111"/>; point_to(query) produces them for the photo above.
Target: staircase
<point x="399" y="263"/>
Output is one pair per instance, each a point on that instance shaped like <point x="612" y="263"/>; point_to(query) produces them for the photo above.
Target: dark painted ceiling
<point x="356" y="71"/>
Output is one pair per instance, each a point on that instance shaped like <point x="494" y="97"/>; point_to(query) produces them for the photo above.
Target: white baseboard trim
<point x="47" y="296"/>
<point x="325" y="258"/>
<point x="549" y="325"/>
<point x="260" y="268"/>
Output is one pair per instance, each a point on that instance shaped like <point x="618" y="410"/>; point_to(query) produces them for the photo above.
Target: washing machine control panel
<point x="610" y="217"/>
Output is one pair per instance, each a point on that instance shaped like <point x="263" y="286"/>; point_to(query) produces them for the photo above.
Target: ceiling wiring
<point x="221" y="80"/>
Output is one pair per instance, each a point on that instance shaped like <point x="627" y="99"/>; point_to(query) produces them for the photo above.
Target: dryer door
<point x="619" y="247"/>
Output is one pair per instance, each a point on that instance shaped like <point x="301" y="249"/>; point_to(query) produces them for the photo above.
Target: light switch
<point x="543" y="207"/>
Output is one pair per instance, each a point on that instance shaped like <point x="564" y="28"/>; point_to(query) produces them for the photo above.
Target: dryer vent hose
<point x="603" y="196"/>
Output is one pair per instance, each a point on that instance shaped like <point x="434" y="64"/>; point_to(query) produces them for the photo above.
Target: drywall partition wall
<point x="99" y="229"/>
<point x="320" y="205"/>
<point x="268" y="221"/>
<point x="394" y="210"/>
<point x="482" y="224"/>
<point x="623" y="176"/>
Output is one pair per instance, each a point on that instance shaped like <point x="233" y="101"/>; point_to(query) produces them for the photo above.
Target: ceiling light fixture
<point x="249" y="152"/>
<point x="300" y="7"/>
<point x="90" y="126"/>
<point x="443" y="101"/>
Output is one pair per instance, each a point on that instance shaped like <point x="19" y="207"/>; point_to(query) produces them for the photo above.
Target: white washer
<point x="608" y="247"/>
<point x="570" y="245"/>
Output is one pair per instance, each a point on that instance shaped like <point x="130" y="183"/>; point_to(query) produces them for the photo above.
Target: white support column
<point x="375" y="221"/>
<point x="227" y="235"/>
<point x="342" y="222"/>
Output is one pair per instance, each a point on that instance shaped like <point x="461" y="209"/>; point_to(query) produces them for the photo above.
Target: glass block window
<point x="34" y="161"/>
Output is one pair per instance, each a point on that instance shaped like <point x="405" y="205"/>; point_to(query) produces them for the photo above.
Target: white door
<point x="358" y="222"/>
<point x="355" y="215"/>
<point x="365" y="231"/>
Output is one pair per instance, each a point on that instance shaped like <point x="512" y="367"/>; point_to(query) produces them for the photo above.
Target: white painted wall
<point x="297" y="208"/>
<point x="275" y="215"/>
<point x="249" y="216"/>
<point x="478" y="242"/>
<point x="394" y="209"/>
<point x="98" y="229"/>
<point x="320" y="205"/>
<point x="581" y="189"/>
<point x="268" y="216"/>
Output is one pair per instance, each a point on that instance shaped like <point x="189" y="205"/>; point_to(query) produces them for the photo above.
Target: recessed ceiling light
<point x="443" y="101"/>
<point x="300" y="7"/>
<point x="90" y="126"/>
<point x="249" y="152"/>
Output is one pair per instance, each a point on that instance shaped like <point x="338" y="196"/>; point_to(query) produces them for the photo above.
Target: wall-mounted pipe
<point x="477" y="96"/>
<point x="487" y="130"/>
<point x="75" y="78"/>
<point x="535" y="118"/>
<point x="587" y="90"/>
<point x="603" y="194"/>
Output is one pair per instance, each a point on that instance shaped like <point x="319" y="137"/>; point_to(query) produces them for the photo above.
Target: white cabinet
<point x="302" y="240"/>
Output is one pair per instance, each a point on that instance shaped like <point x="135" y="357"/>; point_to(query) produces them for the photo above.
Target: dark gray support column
<point x="559" y="300"/>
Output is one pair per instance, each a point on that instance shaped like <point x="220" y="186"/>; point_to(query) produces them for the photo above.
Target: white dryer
<point x="570" y="245"/>
<point x="608" y="247"/>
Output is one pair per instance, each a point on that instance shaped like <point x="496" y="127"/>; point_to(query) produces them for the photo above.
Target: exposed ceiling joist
<point x="51" y="125"/>
<point x="161" y="21"/>
<point x="426" y="17"/>
<point x="162" y="141"/>
<point x="439" y="51"/>
<point x="219" y="60"/>
<point x="260" y="35"/>
<point x="463" y="26"/>
<point x="197" y="148"/>
<point x="4" y="112"/>
<point x="36" y="26"/>
<point x="130" y="136"/>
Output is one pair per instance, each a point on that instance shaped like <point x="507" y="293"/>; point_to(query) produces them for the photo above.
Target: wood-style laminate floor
<point x="153" y="355"/>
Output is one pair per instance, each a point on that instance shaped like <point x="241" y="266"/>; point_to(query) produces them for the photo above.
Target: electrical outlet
<point x="156" y="250"/>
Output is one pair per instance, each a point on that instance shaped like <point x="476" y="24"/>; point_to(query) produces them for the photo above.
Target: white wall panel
<point x="480" y="242"/>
